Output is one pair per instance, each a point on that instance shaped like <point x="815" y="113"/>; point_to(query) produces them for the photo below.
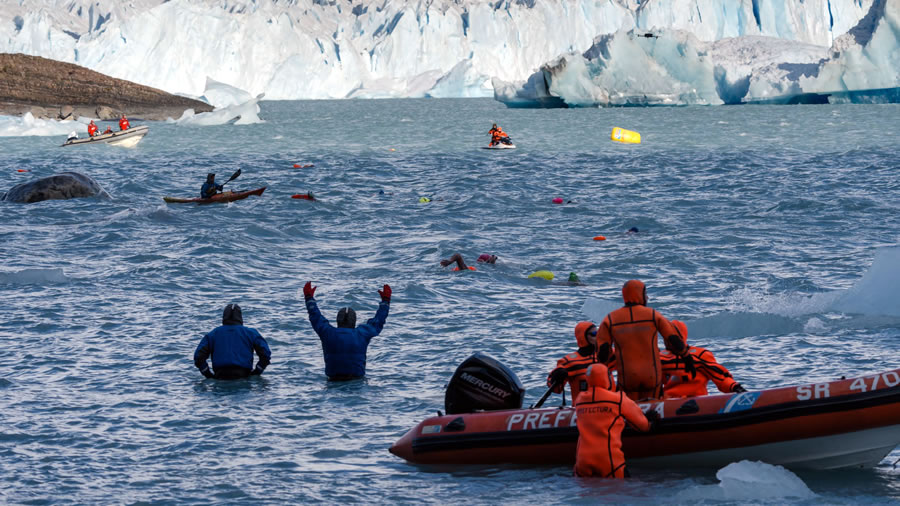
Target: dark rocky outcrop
<point x="60" y="90"/>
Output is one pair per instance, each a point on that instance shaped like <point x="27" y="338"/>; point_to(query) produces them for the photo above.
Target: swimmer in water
<point x="461" y="264"/>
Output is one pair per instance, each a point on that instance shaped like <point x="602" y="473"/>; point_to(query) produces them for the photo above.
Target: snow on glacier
<point x="292" y="49"/>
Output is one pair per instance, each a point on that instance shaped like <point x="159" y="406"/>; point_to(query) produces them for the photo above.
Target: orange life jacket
<point x="601" y="417"/>
<point x="497" y="134"/>
<point x="631" y="330"/>
<point x="680" y="384"/>
<point x="92" y="130"/>
<point x="123" y="124"/>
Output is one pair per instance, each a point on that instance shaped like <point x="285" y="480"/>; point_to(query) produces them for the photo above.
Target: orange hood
<point x="581" y="330"/>
<point x="598" y="376"/>
<point x="634" y="292"/>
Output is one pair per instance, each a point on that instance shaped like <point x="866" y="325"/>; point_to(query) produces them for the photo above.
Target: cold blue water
<point x="771" y="230"/>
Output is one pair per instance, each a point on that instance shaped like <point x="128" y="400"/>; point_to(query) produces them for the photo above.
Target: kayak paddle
<point x="233" y="177"/>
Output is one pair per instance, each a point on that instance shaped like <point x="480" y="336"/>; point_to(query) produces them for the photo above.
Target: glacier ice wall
<point x="290" y="49"/>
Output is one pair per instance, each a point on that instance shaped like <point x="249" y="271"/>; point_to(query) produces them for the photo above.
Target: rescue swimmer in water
<point x="345" y="347"/>
<point x="601" y="416"/>
<point x="679" y="383"/>
<point x="231" y="346"/>
<point x="631" y="332"/>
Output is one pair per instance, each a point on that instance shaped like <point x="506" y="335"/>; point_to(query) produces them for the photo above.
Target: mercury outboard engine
<point x="481" y="383"/>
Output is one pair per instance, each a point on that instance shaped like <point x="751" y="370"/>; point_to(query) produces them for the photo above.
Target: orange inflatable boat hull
<point x="832" y="425"/>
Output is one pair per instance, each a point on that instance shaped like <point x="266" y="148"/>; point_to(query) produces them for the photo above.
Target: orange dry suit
<point x="123" y="123"/>
<point x="631" y="330"/>
<point x="571" y="368"/>
<point x="601" y="417"/>
<point x="496" y="135"/>
<point x="680" y="383"/>
<point x="92" y="129"/>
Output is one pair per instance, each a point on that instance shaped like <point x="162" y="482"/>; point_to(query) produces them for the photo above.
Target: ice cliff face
<point x="290" y="49"/>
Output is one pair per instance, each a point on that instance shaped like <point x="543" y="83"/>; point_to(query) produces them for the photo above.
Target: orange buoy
<point x="599" y="238"/>
<point x="304" y="196"/>
<point x="296" y="165"/>
<point x="22" y="170"/>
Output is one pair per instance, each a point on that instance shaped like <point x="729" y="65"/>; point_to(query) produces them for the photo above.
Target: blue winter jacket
<point x="232" y="346"/>
<point x="345" y="348"/>
<point x="205" y="189"/>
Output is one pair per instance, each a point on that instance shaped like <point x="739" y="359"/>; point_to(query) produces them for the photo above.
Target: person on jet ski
<point x="679" y="383"/>
<point x="498" y="136"/>
<point x="210" y="187"/>
<point x="231" y="347"/>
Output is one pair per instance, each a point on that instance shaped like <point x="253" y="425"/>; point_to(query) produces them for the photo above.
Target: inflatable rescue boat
<point x="124" y="138"/>
<point x="831" y="425"/>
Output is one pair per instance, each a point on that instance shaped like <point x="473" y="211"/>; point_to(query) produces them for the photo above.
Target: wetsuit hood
<point x="598" y="376"/>
<point x="581" y="330"/>
<point x="346" y="318"/>
<point x="681" y="328"/>
<point x="232" y="315"/>
<point x="634" y="293"/>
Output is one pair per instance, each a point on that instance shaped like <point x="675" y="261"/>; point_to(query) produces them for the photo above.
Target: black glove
<point x="689" y="365"/>
<point x="558" y="376"/>
<point x="654" y="418"/>
<point x="737" y="388"/>
<point x="209" y="374"/>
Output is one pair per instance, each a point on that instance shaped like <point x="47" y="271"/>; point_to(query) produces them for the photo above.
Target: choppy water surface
<point x="771" y="230"/>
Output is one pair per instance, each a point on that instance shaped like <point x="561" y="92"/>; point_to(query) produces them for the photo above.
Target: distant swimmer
<point x="92" y="129"/>
<point x="679" y="383"/>
<point x="461" y="264"/>
<point x="632" y="230"/>
<point x="498" y="136"/>
<point x="601" y="416"/>
<point x="345" y="347"/>
<point x="210" y="187"/>
<point x="123" y="123"/>
<point x="631" y="331"/>
<point x="572" y="368"/>
<point x="232" y="346"/>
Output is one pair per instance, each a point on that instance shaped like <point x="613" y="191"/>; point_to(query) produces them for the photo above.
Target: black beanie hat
<point x="232" y="315"/>
<point x="346" y="318"/>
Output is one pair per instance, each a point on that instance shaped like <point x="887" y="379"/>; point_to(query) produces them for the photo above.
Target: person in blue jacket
<point x="210" y="187"/>
<point x="345" y="346"/>
<point x="232" y="346"/>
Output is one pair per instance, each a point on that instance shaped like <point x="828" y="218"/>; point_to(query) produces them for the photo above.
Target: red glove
<point x="385" y="293"/>
<point x="308" y="290"/>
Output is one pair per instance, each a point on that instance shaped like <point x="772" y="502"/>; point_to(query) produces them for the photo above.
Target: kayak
<point x="217" y="198"/>
<point x="849" y="423"/>
<point x="124" y="138"/>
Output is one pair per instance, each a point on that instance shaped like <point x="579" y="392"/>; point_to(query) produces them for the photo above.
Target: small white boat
<point x="124" y="138"/>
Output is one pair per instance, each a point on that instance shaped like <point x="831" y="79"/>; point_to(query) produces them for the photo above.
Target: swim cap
<point x="581" y="330"/>
<point x="681" y="328"/>
<point x="574" y="278"/>
<point x="557" y="200"/>
<point x="346" y="318"/>
<point x="634" y="292"/>
<point x="232" y="315"/>
<point x="484" y="257"/>
<point x="633" y="229"/>
<point x="598" y="376"/>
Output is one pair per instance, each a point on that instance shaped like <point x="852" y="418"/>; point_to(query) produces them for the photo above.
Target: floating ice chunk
<point x="221" y="95"/>
<point x="878" y="291"/>
<point x="462" y="81"/>
<point x="28" y="125"/>
<point x="33" y="277"/>
<point x="243" y="114"/>
<point x="746" y="480"/>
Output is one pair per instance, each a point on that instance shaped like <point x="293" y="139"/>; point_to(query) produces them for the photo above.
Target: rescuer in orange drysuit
<point x="573" y="366"/>
<point x="631" y="331"/>
<point x="679" y="383"/>
<point x="123" y="123"/>
<point x="92" y="129"/>
<point x="601" y="417"/>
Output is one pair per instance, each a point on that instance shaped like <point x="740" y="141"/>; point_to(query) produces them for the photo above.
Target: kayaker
<point x="631" y="332"/>
<point x="345" y="347"/>
<point x="123" y="122"/>
<point x="210" y="187"/>
<point x="679" y="383"/>
<point x="571" y="368"/>
<point x="498" y="136"/>
<point x="232" y="346"/>
<point x="601" y="416"/>
<point x="461" y="264"/>
<point x="92" y="129"/>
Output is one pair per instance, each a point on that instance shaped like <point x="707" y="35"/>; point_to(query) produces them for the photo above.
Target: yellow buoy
<point x="627" y="136"/>
<point x="423" y="200"/>
<point x="542" y="274"/>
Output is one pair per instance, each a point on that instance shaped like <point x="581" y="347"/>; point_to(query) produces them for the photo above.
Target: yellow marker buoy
<point x="542" y="274"/>
<point x="423" y="200"/>
<point x="626" y="136"/>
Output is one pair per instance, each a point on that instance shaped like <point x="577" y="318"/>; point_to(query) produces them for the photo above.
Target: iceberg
<point x="28" y="125"/>
<point x="246" y="113"/>
<point x="318" y="49"/>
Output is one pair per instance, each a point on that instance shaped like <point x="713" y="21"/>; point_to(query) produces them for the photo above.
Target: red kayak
<point x="217" y="198"/>
<point x="848" y="423"/>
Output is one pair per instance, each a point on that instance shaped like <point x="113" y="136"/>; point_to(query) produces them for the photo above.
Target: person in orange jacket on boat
<point x="92" y="129"/>
<point x="679" y="383"/>
<point x="601" y="416"/>
<point x="571" y="369"/>
<point x="631" y="331"/>
<point x="123" y="122"/>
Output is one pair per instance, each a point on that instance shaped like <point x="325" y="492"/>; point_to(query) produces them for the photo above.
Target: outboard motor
<point x="481" y="383"/>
